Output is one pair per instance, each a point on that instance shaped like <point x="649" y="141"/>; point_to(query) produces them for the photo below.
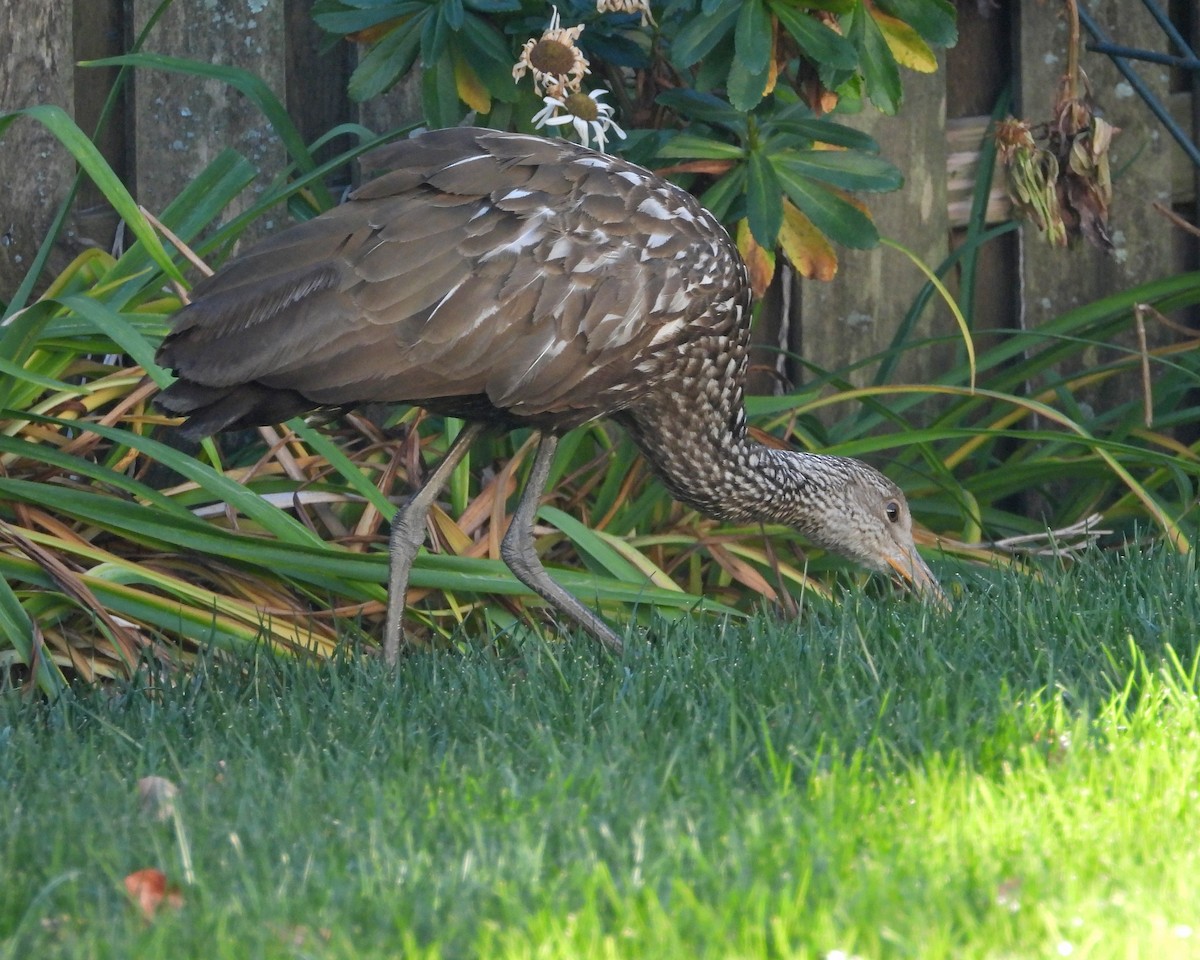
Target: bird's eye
<point x="893" y="511"/>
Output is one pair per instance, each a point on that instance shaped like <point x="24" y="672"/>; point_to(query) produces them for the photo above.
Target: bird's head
<point x="853" y="509"/>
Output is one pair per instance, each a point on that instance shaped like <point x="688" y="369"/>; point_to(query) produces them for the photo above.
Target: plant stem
<point x="1072" y="76"/>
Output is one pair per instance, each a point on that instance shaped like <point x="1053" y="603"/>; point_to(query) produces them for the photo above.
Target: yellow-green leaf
<point x="471" y="90"/>
<point x="805" y="246"/>
<point x="905" y="43"/>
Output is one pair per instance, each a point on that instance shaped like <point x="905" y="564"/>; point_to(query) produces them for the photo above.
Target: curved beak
<point x="916" y="576"/>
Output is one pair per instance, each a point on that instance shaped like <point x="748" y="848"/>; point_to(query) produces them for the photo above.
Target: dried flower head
<point x="583" y="111"/>
<point x="1032" y="178"/>
<point x="553" y="58"/>
<point x="627" y="6"/>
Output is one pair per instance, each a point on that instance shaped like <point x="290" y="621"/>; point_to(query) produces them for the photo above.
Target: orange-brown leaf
<point x="760" y="435"/>
<point x="760" y="262"/>
<point x="808" y="250"/>
<point x="149" y="890"/>
<point x="741" y="571"/>
<point x="715" y="167"/>
<point x="369" y="35"/>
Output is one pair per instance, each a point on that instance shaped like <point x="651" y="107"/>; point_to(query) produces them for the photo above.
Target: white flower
<point x="554" y="59"/>
<point x="584" y="111"/>
<point x="627" y="6"/>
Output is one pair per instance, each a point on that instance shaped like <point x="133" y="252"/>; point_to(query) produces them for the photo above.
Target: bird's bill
<point x="916" y="576"/>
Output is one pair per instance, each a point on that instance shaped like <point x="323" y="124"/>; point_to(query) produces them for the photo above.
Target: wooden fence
<point x="169" y="127"/>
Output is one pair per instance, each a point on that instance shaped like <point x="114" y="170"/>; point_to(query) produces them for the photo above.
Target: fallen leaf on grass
<point x="148" y="889"/>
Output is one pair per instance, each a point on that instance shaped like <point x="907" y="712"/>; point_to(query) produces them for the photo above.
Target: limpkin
<point x="517" y="281"/>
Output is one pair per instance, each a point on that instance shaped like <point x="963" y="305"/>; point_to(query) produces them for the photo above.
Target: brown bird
<point x="517" y="281"/>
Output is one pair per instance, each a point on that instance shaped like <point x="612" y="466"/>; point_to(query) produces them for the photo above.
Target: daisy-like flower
<point x="584" y="111"/>
<point x="553" y="58"/>
<point x="627" y="6"/>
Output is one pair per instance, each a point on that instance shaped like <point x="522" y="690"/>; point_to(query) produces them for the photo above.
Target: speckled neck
<point x="698" y="446"/>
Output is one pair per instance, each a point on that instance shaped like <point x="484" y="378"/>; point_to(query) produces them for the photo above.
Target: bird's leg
<point x="408" y="533"/>
<point x="518" y="552"/>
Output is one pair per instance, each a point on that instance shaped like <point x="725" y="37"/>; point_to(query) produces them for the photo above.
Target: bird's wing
<point x="527" y="271"/>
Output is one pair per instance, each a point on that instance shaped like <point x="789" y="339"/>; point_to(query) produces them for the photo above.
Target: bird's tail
<point x="212" y="409"/>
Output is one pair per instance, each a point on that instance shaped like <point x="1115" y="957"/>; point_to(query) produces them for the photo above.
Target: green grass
<point x="1021" y="779"/>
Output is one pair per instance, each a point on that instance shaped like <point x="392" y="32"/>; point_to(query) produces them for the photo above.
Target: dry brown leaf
<point x="374" y="34"/>
<point x="741" y="571"/>
<point x="760" y="262"/>
<point x="715" y="167"/>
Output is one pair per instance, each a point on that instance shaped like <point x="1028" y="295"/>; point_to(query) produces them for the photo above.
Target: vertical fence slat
<point x="857" y="314"/>
<point x="36" y="58"/>
<point x="316" y="77"/>
<point x="1055" y="280"/>
<point x="183" y="122"/>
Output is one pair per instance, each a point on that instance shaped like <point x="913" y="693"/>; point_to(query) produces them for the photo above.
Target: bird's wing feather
<point x="528" y="271"/>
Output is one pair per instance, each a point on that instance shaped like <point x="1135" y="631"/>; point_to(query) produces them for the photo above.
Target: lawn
<point x="1019" y="779"/>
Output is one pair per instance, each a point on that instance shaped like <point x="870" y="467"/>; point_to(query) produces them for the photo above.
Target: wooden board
<point x="183" y="123"/>
<point x="35" y="171"/>
<point x="316" y="77"/>
<point x="857" y="314"/>
<point x="1143" y="159"/>
<point x="99" y="33"/>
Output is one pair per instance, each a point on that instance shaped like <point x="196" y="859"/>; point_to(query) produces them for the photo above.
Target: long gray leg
<point x="518" y="552"/>
<point x="408" y="533"/>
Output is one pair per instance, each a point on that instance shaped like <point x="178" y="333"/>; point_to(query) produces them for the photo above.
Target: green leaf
<point x="109" y="322"/>
<point x="934" y="20"/>
<point x="831" y="6"/>
<point x="691" y="146"/>
<point x="18" y="628"/>
<point x="764" y="208"/>
<point x="720" y="197"/>
<point x="219" y="486"/>
<point x="752" y="40"/>
<point x="199" y="204"/>
<point x="705" y="108"/>
<point x="494" y="6"/>
<point x="434" y="33"/>
<point x="821" y="43"/>
<point x="56" y="120"/>
<point x="839" y="220"/>
<point x="387" y="61"/>
<point x="102" y="477"/>
<point x="879" y="67"/>
<point x="590" y="543"/>
<point x="824" y="131"/>
<point x="452" y="12"/>
<point x="745" y="87"/>
<point x="346" y="468"/>
<point x="489" y="55"/>
<point x="249" y="85"/>
<point x="17" y="372"/>
<point x="339" y="19"/>
<point x="439" y="93"/>
<point x="846" y="169"/>
<point x="316" y="563"/>
<point x="703" y="33"/>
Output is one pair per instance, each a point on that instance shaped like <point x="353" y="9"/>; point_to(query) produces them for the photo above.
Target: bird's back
<point x="492" y="275"/>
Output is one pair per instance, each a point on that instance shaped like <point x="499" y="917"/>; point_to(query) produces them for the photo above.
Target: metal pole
<point x="1147" y="95"/>
<point x="1168" y="27"/>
